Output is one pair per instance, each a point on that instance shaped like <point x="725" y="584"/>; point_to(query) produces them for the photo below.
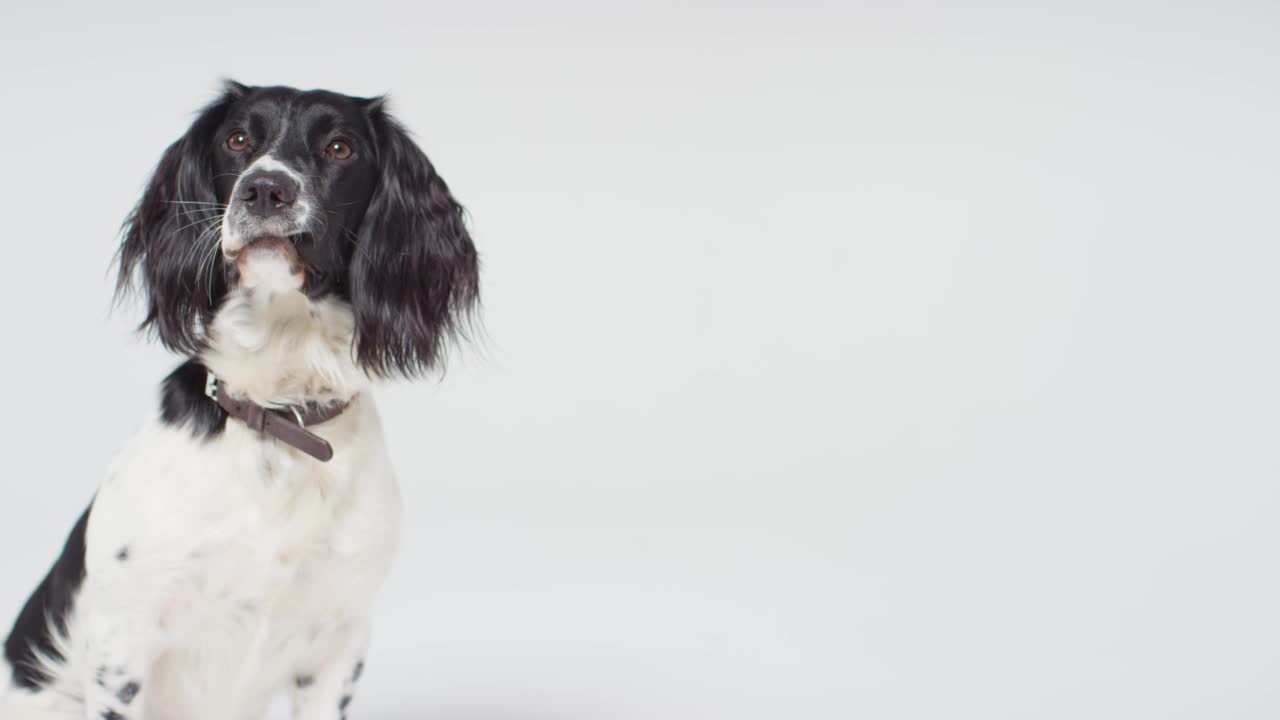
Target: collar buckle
<point x="211" y="385"/>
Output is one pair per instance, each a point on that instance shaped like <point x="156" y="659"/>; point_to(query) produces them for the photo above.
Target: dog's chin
<point x="269" y="262"/>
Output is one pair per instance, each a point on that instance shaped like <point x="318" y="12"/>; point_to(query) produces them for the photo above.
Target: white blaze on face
<point x="232" y="239"/>
<point x="263" y="255"/>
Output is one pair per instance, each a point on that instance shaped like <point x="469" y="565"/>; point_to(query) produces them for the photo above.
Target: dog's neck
<point x="279" y="348"/>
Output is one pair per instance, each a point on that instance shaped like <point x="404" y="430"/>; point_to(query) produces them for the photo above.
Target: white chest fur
<point x="236" y="566"/>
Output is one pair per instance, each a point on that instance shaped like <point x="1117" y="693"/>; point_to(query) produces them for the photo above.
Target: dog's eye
<point x="338" y="149"/>
<point x="238" y="141"/>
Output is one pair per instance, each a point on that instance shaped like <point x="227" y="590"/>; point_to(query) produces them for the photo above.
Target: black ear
<point x="414" y="276"/>
<point x="233" y="89"/>
<point x="169" y="252"/>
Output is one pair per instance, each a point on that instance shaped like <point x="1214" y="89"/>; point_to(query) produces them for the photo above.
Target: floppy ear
<point x="414" y="276"/>
<point x="169" y="252"/>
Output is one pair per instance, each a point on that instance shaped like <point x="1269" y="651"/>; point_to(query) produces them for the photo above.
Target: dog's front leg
<point x="116" y="664"/>
<point x="324" y="687"/>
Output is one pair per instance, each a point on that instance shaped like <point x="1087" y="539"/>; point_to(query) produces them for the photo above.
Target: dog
<point x="294" y="247"/>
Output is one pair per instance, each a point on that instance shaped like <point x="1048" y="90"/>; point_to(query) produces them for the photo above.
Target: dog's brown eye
<point x="238" y="141"/>
<point x="338" y="150"/>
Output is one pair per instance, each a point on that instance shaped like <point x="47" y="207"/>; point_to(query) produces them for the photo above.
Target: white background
<point x="843" y="360"/>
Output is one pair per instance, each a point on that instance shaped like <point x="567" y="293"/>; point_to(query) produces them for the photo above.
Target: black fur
<point x="417" y="272"/>
<point x="168" y="234"/>
<point x="51" y="601"/>
<point x="130" y="691"/>
<point x="183" y="402"/>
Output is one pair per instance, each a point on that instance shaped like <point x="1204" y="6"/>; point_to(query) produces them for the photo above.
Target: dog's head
<point x="307" y="190"/>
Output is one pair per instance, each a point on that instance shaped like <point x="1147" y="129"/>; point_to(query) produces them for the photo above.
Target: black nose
<point x="268" y="193"/>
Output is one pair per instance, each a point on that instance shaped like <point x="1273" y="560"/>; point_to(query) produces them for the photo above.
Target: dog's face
<point x="314" y="191"/>
<point x="295" y="172"/>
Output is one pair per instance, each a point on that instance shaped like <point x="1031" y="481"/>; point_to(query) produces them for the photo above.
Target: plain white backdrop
<point x="842" y="360"/>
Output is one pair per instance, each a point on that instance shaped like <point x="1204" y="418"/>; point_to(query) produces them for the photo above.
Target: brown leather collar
<point x="289" y="427"/>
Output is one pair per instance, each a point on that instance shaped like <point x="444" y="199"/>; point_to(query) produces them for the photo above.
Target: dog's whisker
<point x="201" y="221"/>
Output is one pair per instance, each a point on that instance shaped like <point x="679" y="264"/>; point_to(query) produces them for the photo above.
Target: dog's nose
<point x="268" y="193"/>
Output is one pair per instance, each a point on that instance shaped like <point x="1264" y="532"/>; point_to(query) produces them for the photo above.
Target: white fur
<point x="249" y="563"/>
<point x="269" y="266"/>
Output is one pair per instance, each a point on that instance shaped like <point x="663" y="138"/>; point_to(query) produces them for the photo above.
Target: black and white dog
<point x="295" y="247"/>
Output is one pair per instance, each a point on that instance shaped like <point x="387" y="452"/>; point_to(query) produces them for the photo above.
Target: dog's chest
<point x="244" y="562"/>
<point x="267" y="578"/>
<point x="253" y="563"/>
<point x="252" y="612"/>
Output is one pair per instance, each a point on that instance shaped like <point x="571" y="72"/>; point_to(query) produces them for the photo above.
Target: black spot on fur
<point x="112" y="715"/>
<point x="344" y="702"/>
<point x="304" y="681"/>
<point x="359" y="670"/>
<point x="183" y="402"/>
<point x="123" y="554"/>
<point x="129" y="692"/>
<point x="100" y="676"/>
<point x="51" y="602"/>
